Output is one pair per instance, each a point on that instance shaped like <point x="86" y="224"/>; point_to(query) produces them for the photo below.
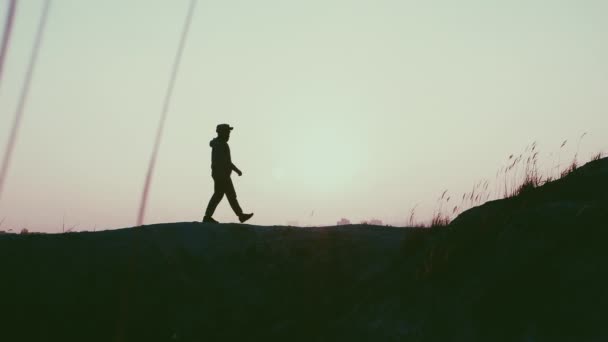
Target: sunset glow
<point x="341" y="109"/>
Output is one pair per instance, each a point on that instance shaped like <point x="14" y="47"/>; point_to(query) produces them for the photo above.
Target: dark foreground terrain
<point x="529" y="268"/>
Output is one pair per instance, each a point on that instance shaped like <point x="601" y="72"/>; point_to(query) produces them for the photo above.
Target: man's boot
<point x="245" y="217"/>
<point x="209" y="219"/>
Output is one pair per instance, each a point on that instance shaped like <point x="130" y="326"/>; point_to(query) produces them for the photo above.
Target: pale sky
<point x="356" y="109"/>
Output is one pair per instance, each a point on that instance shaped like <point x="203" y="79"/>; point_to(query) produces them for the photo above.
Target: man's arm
<point x="236" y="169"/>
<point x="232" y="166"/>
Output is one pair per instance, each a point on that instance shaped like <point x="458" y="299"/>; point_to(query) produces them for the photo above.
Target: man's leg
<point x="219" y="188"/>
<point x="231" y="194"/>
<point x="234" y="203"/>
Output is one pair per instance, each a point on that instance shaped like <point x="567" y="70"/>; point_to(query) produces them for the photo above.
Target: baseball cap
<point x="223" y="128"/>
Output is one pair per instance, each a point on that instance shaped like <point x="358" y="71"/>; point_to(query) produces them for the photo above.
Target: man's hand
<point x="236" y="169"/>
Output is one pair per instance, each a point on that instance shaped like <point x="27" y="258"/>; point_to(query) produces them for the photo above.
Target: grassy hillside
<point x="527" y="268"/>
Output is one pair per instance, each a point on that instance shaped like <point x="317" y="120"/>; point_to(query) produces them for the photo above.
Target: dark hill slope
<point x="529" y="268"/>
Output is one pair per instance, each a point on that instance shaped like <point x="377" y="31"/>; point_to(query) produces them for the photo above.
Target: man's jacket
<point x="221" y="163"/>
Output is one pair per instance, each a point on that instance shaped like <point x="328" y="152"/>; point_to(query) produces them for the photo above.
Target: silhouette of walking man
<point x="221" y="168"/>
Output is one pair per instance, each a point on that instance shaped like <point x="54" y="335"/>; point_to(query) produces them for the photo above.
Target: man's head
<point x="223" y="131"/>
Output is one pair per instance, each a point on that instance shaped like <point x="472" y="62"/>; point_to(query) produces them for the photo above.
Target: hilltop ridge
<point x="530" y="267"/>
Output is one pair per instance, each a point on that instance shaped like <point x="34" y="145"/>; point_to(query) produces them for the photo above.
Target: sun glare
<point x="326" y="163"/>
